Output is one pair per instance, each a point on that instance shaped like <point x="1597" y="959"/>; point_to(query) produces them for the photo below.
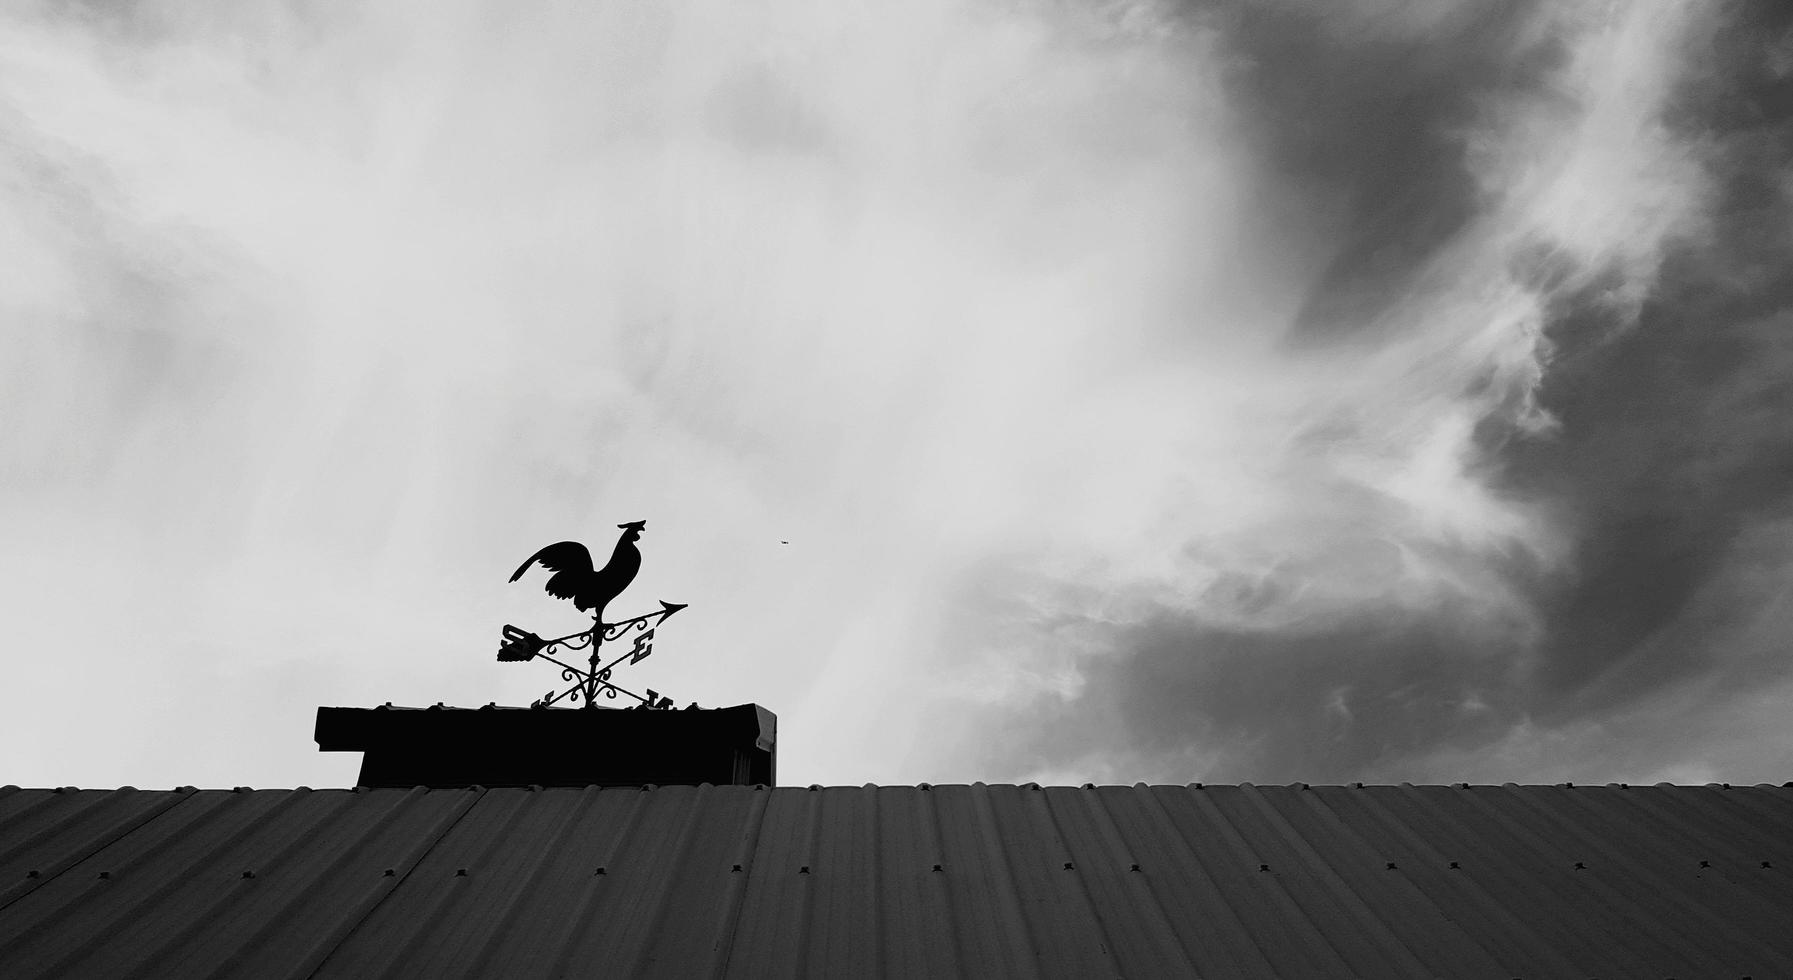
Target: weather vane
<point x="590" y="589"/>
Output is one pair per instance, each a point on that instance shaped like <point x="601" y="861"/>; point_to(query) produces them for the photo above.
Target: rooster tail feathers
<point x="562" y="556"/>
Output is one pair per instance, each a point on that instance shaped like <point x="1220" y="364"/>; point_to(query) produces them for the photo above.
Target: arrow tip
<point x="668" y="608"/>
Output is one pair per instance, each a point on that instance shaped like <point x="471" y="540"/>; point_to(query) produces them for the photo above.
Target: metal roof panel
<point x="986" y="880"/>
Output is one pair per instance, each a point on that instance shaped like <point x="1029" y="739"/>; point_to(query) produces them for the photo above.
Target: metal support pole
<point x="591" y="681"/>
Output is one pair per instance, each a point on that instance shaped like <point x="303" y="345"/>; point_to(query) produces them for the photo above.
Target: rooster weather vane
<point x="591" y="589"/>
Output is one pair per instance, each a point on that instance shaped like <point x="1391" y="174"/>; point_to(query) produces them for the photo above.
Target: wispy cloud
<point x="1475" y="573"/>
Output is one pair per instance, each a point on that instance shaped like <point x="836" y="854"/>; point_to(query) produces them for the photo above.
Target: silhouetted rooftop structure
<point x="445" y="747"/>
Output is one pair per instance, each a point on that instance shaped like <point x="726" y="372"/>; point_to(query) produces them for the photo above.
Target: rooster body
<point x="575" y="579"/>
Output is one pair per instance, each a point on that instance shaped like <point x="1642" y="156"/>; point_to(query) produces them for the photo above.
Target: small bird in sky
<point x="575" y="579"/>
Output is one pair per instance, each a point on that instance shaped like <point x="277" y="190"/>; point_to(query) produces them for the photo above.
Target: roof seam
<point x="806" y="918"/>
<point x="737" y="888"/>
<point x="442" y="901"/>
<point x="1008" y="888"/>
<point x="625" y="831"/>
<point x="543" y="862"/>
<point x="1298" y="916"/>
<point x="928" y="808"/>
<point x="1082" y="882"/>
<point x="1328" y="877"/>
<point x="1696" y="939"/>
<point x="1366" y="853"/>
<point x="1133" y="885"/>
<point x="880" y="938"/>
<point x="1488" y="906"/>
<point x="1486" y="843"/>
<point x="639" y="960"/>
<point x="1617" y="911"/>
<point x="101" y="842"/>
<point x="416" y="862"/>
<point x="1242" y="947"/>
<point x="132" y="912"/>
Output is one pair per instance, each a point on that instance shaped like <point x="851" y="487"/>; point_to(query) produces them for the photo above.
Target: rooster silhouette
<point x="575" y="579"/>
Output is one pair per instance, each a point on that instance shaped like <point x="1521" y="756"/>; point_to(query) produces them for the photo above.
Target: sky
<point x="1027" y="390"/>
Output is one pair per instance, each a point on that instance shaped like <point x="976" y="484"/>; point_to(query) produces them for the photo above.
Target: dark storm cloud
<point x="1334" y="704"/>
<point x="1362" y="117"/>
<point x="1669" y="467"/>
<point x="1677" y="436"/>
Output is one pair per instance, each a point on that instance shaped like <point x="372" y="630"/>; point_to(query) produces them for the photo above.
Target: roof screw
<point x="1580" y="867"/>
<point x="248" y="874"/>
<point x="1133" y="868"/>
<point x="1304" y="787"/>
<point x="803" y="870"/>
<point x="1069" y="866"/>
<point x="460" y="872"/>
<point x="938" y="868"/>
<point x="1263" y="867"/>
<point x="1391" y="866"/>
<point x="1765" y="864"/>
<point x="735" y="868"/>
<point x="1198" y="785"/>
<point x="1725" y="785"/>
<point x="1705" y="864"/>
<point x="33" y="872"/>
<point x="389" y="873"/>
<point x="1357" y="786"/>
<point x="106" y="875"/>
<point x="1456" y="866"/>
<point x="924" y="787"/>
<point x="599" y="871"/>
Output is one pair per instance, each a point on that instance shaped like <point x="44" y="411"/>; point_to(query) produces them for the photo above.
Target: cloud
<point x="1144" y="390"/>
<point x="1529" y="524"/>
<point x="334" y="315"/>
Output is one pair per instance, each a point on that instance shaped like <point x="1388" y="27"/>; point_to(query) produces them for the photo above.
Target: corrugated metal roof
<point x="980" y="880"/>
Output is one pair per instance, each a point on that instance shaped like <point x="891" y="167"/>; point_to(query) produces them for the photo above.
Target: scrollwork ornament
<point x="575" y="578"/>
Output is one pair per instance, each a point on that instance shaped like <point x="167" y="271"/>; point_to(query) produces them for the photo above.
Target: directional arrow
<point x="611" y="630"/>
